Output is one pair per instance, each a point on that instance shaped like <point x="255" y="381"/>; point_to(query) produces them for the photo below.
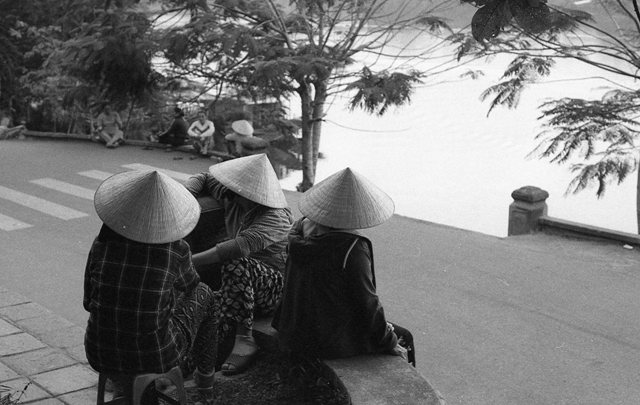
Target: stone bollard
<point x="528" y="205"/>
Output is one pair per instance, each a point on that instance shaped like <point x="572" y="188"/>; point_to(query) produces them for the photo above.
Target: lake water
<point x="443" y="160"/>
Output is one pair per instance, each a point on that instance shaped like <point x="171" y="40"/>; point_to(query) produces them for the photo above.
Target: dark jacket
<point x="178" y="129"/>
<point x="329" y="306"/>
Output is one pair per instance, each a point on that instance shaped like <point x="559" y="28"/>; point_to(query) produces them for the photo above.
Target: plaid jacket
<point x="130" y="290"/>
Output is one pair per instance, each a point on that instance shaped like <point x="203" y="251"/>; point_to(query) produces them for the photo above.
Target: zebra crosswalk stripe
<point x="96" y="174"/>
<point x="39" y="204"/>
<point x="65" y="187"/>
<point x="12" y="224"/>
<point x="180" y="176"/>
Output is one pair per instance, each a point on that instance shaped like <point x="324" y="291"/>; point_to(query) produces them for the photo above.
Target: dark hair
<point x="109" y="235"/>
<point x="178" y="111"/>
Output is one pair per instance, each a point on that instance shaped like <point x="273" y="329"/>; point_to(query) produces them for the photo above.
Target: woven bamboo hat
<point x="146" y="206"/>
<point x="253" y="178"/>
<point x="242" y="129"/>
<point x="346" y="200"/>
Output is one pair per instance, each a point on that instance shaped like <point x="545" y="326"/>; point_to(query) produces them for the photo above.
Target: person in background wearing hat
<point x="201" y="132"/>
<point x="148" y="312"/>
<point x="329" y="306"/>
<point x="110" y="127"/>
<point x="257" y="221"/>
<point x="177" y="133"/>
<point x="242" y="129"/>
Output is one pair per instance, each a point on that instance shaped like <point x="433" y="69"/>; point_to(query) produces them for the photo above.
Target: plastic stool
<point x="141" y="382"/>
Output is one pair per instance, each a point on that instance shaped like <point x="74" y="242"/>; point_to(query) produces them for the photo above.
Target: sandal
<point x="244" y="352"/>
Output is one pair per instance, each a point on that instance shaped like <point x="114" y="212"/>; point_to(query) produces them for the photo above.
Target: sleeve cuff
<point x="229" y="250"/>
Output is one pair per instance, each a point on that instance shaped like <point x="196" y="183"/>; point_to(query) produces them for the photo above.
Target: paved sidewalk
<point x="43" y="352"/>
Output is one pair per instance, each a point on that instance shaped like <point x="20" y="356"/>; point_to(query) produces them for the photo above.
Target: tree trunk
<point x="308" y="168"/>
<point x="319" y="100"/>
<point x="638" y="200"/>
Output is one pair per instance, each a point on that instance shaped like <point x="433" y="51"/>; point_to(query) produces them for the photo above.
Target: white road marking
<point x="96" y="174"/>
<point x="176" y="175"/>
<point x="11" y="224"/>
<point x="39" y="204"/>
<point x="64" y="187"/>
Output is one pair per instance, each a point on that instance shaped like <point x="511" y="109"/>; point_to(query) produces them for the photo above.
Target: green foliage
<point x="376" y="92"/>
<point x="521" y="71"/>
<point x="602" y="133"/>
<point x="532" y="16"/>
<point x="112" y="53"/>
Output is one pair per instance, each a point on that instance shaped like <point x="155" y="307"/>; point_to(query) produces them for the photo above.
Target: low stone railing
<point x="528" y="214"/>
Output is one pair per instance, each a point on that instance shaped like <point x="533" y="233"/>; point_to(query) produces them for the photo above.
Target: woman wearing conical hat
<point x="148" y="310"/>
<point x="241" y="130"/>
<point x="257" y="222"/>
<point x="329" y="307"/>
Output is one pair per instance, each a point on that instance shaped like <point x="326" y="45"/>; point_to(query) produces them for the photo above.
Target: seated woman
<point x="6" y="132"/>
<point x="257" y="221"/>
<point x="329" y="306"/>
<point x="110" y="127"/>
<point x="177" y="133"/>
<point x="240" y="130"/>
<point x="148" y="312"/>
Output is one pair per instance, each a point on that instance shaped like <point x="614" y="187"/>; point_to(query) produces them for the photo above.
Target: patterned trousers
<point x="196" y="316"/>
<point x="249" y="287"/>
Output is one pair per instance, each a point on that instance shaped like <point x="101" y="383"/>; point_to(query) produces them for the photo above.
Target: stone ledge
<point x="385" y="380"/>
<point x="370" y="380"/>
<point x="560" y="226"/>
<point x="131" y="142"/>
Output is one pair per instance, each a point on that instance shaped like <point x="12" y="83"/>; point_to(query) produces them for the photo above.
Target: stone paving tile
<point x="77" y="353"/>
<point x="68" y="379"/>
<point x="7" y="374"/>
<point x="32" y="393"/>
<point x="38" y="361"/>
<point x="23" y="311"/>
<point x="45" y="323"/>
<point x="7" y="329"/>
<point x="8" y="298"/>
<point x="48" y="401"/>
<point x="83" y="397"/>
<point x="18" y="343"/>
<point x="67" y="337"/>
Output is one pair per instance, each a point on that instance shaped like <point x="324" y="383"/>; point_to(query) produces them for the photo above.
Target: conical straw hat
<point x="253" y="178"/>
<point x="346" y="200"/>
<point x="242" y="129"/>
<point x="146" y="206"/>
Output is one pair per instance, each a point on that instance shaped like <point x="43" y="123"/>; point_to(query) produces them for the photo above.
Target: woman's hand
<point x="400" y="351"/>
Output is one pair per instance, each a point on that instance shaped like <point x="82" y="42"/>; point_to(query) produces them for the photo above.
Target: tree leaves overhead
<point x="532" y="19"/>
<point x="522" y="71"/>
<point x="489" y="20"/>
<point x="376" y="92"/>
<point x="600" y="132"/>
<point x="532" y="16"/>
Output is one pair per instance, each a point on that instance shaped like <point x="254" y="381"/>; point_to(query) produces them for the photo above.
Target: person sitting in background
<point x="177" y="133"/>
<point x="257" y="221"/>
<point x="201" y="132"/>
<point x="242" y="129"/>
<point x="148" y="310"/>
<point x="329" y="306"/>
<point x="6" y="132"/>
<point x="110" y="127"/>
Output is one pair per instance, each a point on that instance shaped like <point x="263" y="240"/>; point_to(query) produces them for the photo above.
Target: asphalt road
<point x="528" y="320"/>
